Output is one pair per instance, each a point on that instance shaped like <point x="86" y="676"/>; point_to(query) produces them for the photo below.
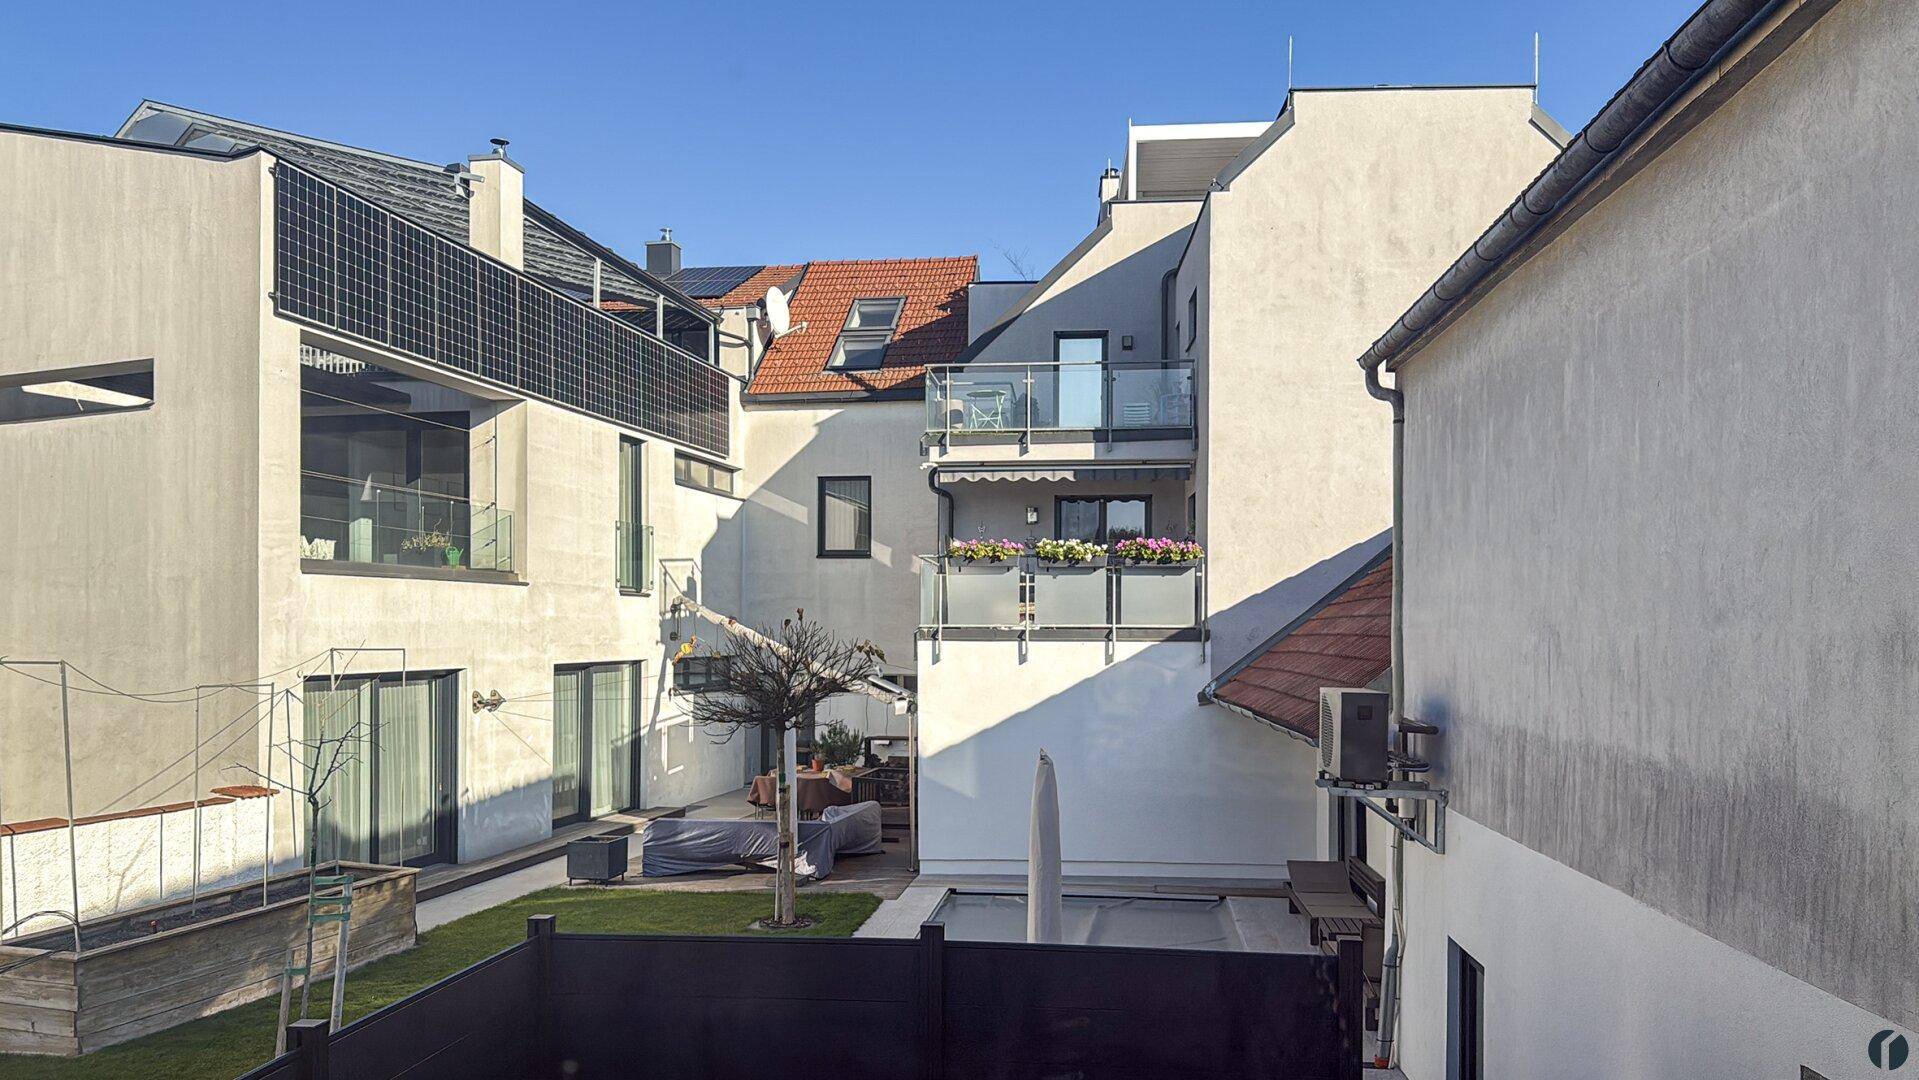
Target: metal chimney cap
<point x="666" y="233"/>
<point x="499" y="146"/>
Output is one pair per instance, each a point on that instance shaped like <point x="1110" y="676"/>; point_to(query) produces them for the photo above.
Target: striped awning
<point x="1129" y="473"/>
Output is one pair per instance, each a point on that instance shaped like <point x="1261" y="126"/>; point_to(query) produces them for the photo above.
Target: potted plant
<point x="1158" y="550"/>
<point x="837" y="744"/>
<point x="1069" y="552"/>
<point x="432" y="544"/>
<point x="985" y="551"/>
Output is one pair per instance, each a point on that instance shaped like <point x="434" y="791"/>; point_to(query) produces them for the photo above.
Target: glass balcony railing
<point x="1028" y="594"/>
<point x="360" y="521"/>
<point x="633" y="556"/>
<point x="986" y="398"/>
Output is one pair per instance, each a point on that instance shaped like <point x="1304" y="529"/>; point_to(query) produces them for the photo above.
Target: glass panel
<point x="612" y="735"/>
<point x="1163" y="596"/>
<point x="982" y="595"/>
<point x="1080" y="350"/>
<point x="1125" y="519"/>
<point x="873" y="315"/>
<point x="1080" y="402"/>
<point x="404" y="753"/>
<point x="1152" y="397"/>
<point x="846" y="515"/>
<point x="568" y="748"/>
<point x="857" y="351"/>
<point x="1069" y="596"/>
<point x="366" y="522"/>
<point x="336" y="728"/>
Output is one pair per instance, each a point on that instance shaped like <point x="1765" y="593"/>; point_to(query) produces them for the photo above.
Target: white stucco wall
<point x="1306" y="255"/>
<point x="1660" y="531"/>
<point x="1152" y="784"/>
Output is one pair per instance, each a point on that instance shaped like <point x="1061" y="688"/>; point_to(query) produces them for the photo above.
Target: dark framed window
<point x="1168" y="314"/>
<point x="633" y="555"/>
<point x="596" y="740"/>
<point x="1102" y="519"/>
<point x="698" y="674"/>
<point x="689" y="471"/>
<point x="1192" y="318"/>
<point x="392" y="800"/>
<point x="846" y="517"/>
<point x="869" y="328"/>
<point x="1466" y="1016"/>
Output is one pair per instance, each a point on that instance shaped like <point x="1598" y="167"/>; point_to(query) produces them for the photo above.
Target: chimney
<point x="1108" y="184"/>
<point x="496" y="211"/>
<point x="663" y="255"/>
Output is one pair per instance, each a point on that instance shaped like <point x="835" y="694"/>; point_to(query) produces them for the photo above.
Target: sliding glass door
<point x="595" y="740"/>
<point x="389" y="743"/>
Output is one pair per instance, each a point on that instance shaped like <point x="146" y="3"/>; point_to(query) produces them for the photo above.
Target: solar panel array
<point x="345" y="264"/>
<point x="707" y="282"/>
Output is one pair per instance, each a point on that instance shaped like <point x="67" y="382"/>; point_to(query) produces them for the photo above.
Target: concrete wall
<point x="1660" y="532"/>
<point x="127" y="547"/>
<point x="788" y="448"/>
<point x="1152" y="784"/>
<point x="509" y="637"/>
<point x="1110" y="282"/>
<point x="986" y="301"/>
<point x="1310" y="251"/>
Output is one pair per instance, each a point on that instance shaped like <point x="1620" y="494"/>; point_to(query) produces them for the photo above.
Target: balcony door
<point x="389" y="743"/>
<point x="1081" y="356"/>
<point x="595" y="741"/>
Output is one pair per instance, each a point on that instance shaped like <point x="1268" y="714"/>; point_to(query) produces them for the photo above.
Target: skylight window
<point x="870" y="325"/>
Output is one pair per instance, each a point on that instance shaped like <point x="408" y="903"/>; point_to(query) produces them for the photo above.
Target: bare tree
<point x="1020" y="261"/>
<point x="771" y="681"/>
<point x="323" y="754"/>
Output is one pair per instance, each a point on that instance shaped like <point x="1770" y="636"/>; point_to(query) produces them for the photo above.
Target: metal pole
<point x="193" y="902"/>
<point x="73" y="850"/>
<point x="266" y="852"/>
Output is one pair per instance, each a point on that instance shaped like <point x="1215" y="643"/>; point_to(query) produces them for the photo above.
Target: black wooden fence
<point x="592" y="1006"/>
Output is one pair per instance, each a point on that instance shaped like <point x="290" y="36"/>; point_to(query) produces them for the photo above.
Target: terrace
<point x="1060" y="401"/>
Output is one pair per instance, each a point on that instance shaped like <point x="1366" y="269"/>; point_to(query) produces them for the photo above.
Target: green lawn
<point x="229" y="1043"/>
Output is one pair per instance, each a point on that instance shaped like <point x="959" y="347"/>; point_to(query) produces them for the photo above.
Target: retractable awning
<point x="1067" y="473"/>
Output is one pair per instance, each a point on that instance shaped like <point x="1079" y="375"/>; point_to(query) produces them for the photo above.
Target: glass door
<point x="385" y="746"/>
<point x="1082" y="376"/>
<point x="595" y="741"/>
<point x="569" y="746"/>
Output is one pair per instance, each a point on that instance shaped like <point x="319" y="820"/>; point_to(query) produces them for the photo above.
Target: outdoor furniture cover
<point x="686" y="845"/>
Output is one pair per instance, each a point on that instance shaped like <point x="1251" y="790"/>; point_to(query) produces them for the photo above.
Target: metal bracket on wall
<point x="1369" y="796"/>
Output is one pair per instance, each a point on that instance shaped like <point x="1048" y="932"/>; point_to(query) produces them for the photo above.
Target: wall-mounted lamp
<point x="1032" y="515"/>
<point x="1126" y="342"/>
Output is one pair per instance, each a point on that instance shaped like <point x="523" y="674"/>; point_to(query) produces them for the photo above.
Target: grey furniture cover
<point x="686" y="846"/>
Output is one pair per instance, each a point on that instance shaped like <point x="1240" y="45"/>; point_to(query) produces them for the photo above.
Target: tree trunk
<point x="786" y="889"/>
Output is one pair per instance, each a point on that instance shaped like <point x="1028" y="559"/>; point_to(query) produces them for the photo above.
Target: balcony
<point x="1123" y="400"/>
<point x="406" y="531"/>
<point x="633" y="556"/>
<point x="1028" y="596"/>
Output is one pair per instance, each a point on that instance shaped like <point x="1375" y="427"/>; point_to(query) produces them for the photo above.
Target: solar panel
<point x="707" y="282"/>
<point x="346" y="264"/>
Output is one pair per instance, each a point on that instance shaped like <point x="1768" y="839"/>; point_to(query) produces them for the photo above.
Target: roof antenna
<point x="1535" y="67"/>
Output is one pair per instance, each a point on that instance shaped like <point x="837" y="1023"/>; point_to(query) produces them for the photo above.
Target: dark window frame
<point x="821" y="551"/>
<point x="635" y="752"/>
<point x="1465" y="1015"/>
<point x="1192" y="318"/>
<point x="1104" y="337"/>
<point x="699" y="674"/>
<point x="445" y="763"/>
<point x="683" y="477"/>
<point x="1169" y="314"/>
<point x="1102" y="500"/>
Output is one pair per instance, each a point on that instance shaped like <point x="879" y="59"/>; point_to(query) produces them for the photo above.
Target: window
<point x="1168" y="313"/>
<point x="1102" y="520"/>
<point x="1192" y="318"/>
<point x="596" y="740"/>
<point x="1466" y="1016"/>
<point x="55" y="395"/>
<point x="870" y="325"/>
<point x="633" y="551"/>
<point x="392" y="800"/>
<point x="1080" y="394"/>
<point x="689" y="471"/>
<point x="846" y="517"/>
<point x="698" y="674"/>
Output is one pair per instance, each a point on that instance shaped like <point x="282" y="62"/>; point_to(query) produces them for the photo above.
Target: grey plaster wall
<point x="1661" y="523"/>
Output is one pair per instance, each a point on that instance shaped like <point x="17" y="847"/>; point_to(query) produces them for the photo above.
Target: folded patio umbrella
<point x="1043" y="915"/>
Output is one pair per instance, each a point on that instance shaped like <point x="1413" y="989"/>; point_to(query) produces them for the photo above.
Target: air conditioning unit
<point x="1353" y="729"/>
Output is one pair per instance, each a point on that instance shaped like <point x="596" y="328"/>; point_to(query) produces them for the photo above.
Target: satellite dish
<point x="779" y="321"/>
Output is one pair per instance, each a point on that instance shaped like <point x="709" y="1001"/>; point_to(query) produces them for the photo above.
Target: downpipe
<point x="1389" y="988"/>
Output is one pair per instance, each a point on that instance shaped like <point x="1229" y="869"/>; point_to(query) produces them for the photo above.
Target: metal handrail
<point x="1016" y="413"/>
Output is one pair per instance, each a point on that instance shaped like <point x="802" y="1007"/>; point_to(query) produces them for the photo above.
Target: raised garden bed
<point x="146" y="970"/>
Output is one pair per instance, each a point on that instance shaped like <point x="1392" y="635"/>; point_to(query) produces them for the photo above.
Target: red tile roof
<point x="932" y="327"/>
<point x="1347" y="642"/>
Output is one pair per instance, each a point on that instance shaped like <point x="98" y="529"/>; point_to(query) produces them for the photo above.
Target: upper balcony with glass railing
<point x="406" y="529"/>
<point x="1058" y="401"/>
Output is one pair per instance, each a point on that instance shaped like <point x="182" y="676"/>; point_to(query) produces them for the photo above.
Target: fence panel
<point x="482" y="1021"/>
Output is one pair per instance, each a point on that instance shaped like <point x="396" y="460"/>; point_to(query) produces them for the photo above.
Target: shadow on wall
<point x="1245" y="626"/>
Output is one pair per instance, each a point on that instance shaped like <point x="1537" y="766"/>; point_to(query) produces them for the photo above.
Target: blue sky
<point x="775" y="133"/>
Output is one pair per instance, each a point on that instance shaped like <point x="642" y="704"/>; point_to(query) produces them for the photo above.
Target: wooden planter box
<point x="62" y="1004"/>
